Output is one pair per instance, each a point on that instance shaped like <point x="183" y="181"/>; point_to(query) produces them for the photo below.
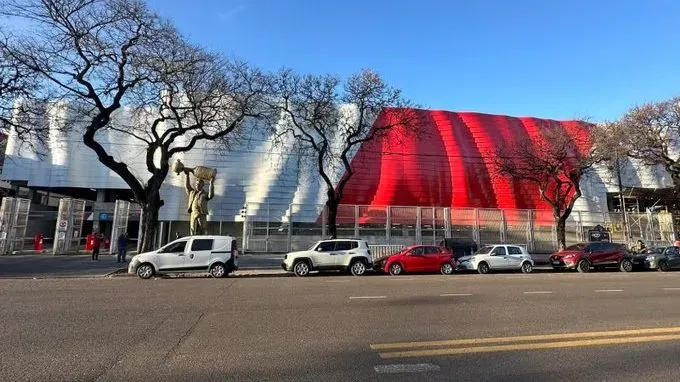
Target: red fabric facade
<point x="448" y="164"/>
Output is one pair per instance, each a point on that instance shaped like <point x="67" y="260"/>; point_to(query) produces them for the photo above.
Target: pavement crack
<point x="181" y="339"/>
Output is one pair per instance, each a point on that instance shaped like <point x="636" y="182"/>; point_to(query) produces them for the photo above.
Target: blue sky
<point x="554" y="59"/>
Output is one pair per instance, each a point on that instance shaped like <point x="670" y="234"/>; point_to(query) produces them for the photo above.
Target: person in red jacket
<point x="96" y="243"/>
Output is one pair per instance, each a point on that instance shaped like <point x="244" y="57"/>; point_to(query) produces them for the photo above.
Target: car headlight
<point x="650" y="258"/>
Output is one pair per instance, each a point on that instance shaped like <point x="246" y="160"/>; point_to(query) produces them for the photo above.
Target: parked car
<point x="216" y="255"/>
<point x="459" y="248"/>
<point x="498" y="257"/>
<point x="640" y="259"/>
<point x="418" y="258"/>
<point x="351" y="255"/>
<point x="664" y="261"/>
<point x="584" y="256"/>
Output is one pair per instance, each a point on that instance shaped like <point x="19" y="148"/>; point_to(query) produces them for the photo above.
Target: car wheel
<point x="145" y="271"/>
<point x="663" y="266"/>
<point x="626" y="265"/>
<point x="583" y="266"/>
<point x="218" y="270"/>
<point x="358" y="268"/>
<point x="483" y="268"/>
<point x="527" y="267"/>
<point x="447" y="268"/>
<point x="301" y="268"/>
<point x="396" y="269"/>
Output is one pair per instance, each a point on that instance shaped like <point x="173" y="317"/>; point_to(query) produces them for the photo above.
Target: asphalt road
<point x="597" y="326"/>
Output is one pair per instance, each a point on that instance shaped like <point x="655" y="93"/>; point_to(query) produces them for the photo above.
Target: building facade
<point x="447" y="165"/>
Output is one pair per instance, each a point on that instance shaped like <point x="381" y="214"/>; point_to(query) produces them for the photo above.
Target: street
<point x="333" y="327"/>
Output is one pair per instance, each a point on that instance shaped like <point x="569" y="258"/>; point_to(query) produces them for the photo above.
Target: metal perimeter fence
<point x="271" y="228"/>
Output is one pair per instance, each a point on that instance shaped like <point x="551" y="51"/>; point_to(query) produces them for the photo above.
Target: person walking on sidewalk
<point x="96" y="243"/>
<point x="122" y="246"/>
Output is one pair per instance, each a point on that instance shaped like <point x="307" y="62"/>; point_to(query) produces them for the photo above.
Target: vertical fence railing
<point x="280" y="228"/>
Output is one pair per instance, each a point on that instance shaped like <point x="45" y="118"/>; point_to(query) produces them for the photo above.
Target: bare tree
<point x="329" y="119"/>
<point x="555" y="162"/>
<point x="108" y="55"/>
<point x="651" y="133"/>
<point x="20" y="99"/>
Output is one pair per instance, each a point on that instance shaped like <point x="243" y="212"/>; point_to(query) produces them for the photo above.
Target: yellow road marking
<point x="530" y="346"/>
<point x="541" y="337"/>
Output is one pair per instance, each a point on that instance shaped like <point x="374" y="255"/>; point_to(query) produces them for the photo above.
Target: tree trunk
<point x="561" y="232"/>
<point x="150" y="222"/>
<point x="332" y="216"/>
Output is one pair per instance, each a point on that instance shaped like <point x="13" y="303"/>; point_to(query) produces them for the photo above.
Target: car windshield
<point x="484" y="250"/>
<point x="576" y="247"/>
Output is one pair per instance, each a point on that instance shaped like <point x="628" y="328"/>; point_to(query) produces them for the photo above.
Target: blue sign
<point x="104" y="216"/>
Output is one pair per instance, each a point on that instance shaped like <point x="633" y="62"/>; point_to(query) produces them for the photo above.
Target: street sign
<point x="104" y="216"/>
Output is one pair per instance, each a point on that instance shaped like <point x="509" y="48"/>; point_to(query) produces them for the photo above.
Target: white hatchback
<point x="498" y="257"/>
<point x="216" y="255"/>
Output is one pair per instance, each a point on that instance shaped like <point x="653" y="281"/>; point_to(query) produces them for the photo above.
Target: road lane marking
<point x="406" y="368"/>
<point x="529" y="346"/>
<point x="366" y="297"/>
<point x="539" y="337"/>
<point x="671" y="288"/>
<point x="455" y="294"/>
<point x="608" y="290"/>
<point x="539" y="292"/>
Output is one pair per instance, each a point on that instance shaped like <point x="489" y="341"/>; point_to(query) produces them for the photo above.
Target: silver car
<point x="667" y="260"/>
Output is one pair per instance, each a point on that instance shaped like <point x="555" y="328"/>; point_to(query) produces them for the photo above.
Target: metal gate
<point x="69" y="225"/>
<point x="121" y="214"/>
<point x="13" y="221"/>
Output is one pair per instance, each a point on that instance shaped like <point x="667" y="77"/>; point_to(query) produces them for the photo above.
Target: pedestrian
<point x="122" y="247"/>
<point x="96" y="243"/>
<point x="176" y="235"/>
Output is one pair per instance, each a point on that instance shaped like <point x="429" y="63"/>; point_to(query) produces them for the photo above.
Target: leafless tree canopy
<point x="556" y="162"/>
<point x="20" y="99"/>
<point x="329" y="119"/>
<point x="104" y="55"/>
<point x="651" y="133"/>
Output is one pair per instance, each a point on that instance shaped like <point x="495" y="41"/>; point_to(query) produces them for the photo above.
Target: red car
<point x="419" y="258"/>
<point x="583" y="256"/>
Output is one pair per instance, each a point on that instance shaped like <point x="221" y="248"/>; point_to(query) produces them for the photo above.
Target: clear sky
<point x="546" y="58"/>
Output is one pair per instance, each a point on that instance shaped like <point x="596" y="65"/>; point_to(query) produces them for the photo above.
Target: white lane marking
<point x="406" y="368"/>
<point x="608" y="290"/>
<point x="671" y="288"/>
<point x="455" y="294"/>
<point x="539" y="292"/>
<point x="366" y="297"/>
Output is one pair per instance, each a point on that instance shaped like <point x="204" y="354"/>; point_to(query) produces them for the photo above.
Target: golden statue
<point x="198" y="199"/>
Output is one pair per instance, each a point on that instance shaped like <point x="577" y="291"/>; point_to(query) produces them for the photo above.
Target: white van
<point x="216" y="255"/>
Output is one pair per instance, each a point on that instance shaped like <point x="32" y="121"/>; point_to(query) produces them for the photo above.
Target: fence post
<point x="447" y="222"/>
<point x="220" y="227"/>
<point x="419" y="232"/>
<point x="290" y="227"/>
<point x="324" y="221"/>
<point x="356" y="221"/>
<point x="388" y="224"/>
<point x="266" y="238"/>
<point x="530" y="234"/>
<point x="504" y="228"/>
<point x="475" y="229"/>
<point x="245" y="228"/>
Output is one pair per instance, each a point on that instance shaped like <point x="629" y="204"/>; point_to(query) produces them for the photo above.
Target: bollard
<point x="38" y="244"/>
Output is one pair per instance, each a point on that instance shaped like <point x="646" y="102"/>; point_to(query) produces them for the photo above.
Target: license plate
<point x="555" y="262"/>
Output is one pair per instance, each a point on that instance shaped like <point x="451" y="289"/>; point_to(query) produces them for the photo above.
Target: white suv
<point x="216" y="255"/>
<point x="498" y="257"/>
<point x="350" y="255"/>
